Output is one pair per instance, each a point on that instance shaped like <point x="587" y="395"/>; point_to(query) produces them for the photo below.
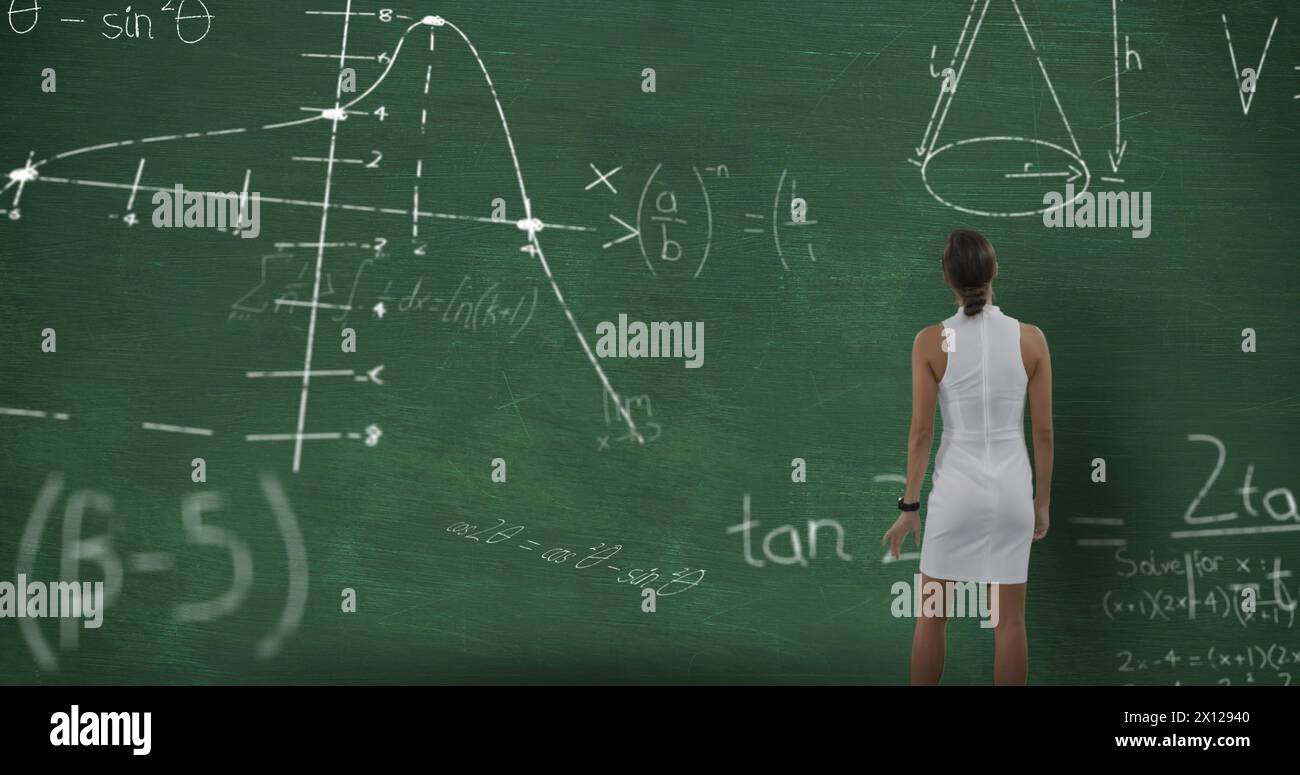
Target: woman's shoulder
<point x="928" y="336"/>
<point x="1031" y="332"/>
<point x="1033" y="345"/>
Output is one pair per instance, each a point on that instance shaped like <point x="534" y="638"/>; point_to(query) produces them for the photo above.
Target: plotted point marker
<point x="433" y="21"/>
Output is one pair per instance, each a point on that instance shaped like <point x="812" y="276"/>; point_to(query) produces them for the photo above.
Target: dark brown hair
<point x="971" y="265"/>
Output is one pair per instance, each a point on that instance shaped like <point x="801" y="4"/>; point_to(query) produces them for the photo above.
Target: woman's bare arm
<point x="925" y="394"/>
<point x="920" y="435"/>
<point x="1039" y="366"/>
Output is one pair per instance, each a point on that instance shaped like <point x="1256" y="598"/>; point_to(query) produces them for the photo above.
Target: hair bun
<point x="969" y="266"/>
<point x="974" y="298"/>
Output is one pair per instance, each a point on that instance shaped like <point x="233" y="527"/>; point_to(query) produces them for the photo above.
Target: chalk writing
<point x="1269" y="664"/>
<point x="602" y="556"/>
<point x="193" y="20"/>
<point x="199" y="512"/>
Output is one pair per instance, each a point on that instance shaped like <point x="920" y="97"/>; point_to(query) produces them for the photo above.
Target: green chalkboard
<point x="392" y="378"/>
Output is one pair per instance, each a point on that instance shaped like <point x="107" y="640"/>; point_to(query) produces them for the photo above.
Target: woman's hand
<point x="907" y="522"/>
<point x="1041" y="521"/>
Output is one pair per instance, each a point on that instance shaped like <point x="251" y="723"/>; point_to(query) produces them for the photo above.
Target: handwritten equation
<point x="191" y="18"/>
<point x="285" y="284"/>
<point x="674" y="222"/>
<point x="1198" y="585"/>
<point x="601" y="557"/>
<point x="1265" y="664"/>
<point x="197" y="513"/>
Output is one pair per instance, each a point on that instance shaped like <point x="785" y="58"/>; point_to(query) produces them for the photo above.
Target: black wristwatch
<point x="908" y="506"/>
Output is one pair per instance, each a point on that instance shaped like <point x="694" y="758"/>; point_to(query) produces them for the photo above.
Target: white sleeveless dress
<point x="979" y="521"/>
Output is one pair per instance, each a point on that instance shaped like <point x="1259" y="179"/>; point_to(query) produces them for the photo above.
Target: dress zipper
<point x="984" y="382"/>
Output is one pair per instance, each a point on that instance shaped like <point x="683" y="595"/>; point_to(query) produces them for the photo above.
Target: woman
<point x="983" y="512"/>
